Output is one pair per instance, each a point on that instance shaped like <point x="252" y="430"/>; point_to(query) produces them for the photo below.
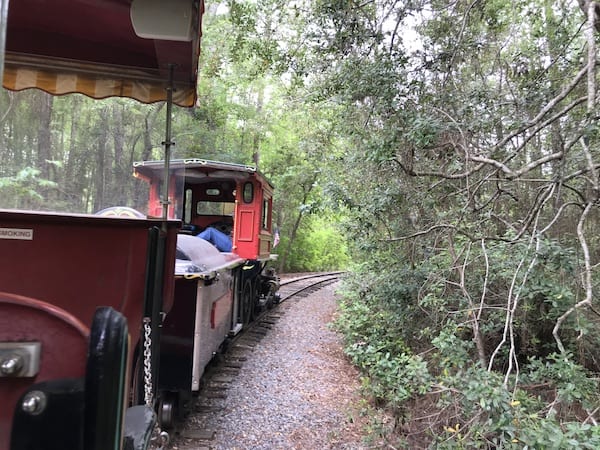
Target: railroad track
<point x="222" y="371"/>
<point x="304" y="285"/>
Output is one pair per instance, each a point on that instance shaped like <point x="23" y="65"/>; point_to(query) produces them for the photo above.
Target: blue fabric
<point x="216" y="238"/>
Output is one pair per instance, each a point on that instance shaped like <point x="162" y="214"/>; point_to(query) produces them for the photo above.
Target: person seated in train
<point x="216" y="238"/>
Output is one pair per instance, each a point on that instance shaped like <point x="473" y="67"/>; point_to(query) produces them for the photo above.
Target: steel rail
<point x="312" y="275"/>
<point x="323" y="278"/>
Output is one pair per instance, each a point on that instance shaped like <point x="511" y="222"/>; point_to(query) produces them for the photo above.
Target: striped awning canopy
<point x="90" y="47"/>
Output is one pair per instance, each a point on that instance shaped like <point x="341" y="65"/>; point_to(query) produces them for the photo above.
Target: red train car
<point x="220" y="286"/>
<point x="75" y="290"/>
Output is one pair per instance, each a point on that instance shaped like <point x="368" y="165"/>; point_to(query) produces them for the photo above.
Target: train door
<point x="253" y="220"/>
<point x="246" y="219"/>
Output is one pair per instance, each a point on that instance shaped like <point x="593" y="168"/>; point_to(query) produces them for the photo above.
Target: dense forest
<point x="445" y="153"/>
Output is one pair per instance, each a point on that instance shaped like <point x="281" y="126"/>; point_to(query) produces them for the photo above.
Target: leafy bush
<point x="23" y="189"/>
<point x="392" y="374"/>
<point x="441" y="352"/>
<point x="487" y="415"/>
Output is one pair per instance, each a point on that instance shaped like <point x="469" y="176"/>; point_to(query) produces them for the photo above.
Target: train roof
<point x="91" y="47"/>
<point x="194" y="167"/>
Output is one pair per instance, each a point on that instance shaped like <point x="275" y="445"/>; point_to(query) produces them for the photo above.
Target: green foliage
<point x="317" y="247"/>
<point x="375" y="344"/>
<point x="487" y="416"/>
<point x="474" y="406"/>
<point x="571" y="382"/>
<point x="23" y="190"/>
<point x="411" y="330"/>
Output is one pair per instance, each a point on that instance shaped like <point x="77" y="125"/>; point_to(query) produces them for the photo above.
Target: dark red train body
<point x="107" y="321"/>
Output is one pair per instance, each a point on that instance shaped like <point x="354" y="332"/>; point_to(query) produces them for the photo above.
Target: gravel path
<point x="296" y="390"/>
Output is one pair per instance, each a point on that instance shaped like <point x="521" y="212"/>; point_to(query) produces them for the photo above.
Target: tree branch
<point x="587" y="279"/>
<point x="511" y="175"/>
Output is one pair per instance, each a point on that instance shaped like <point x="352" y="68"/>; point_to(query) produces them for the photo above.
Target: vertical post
<point x="167" y="143"/>
<point x="3" y="27"/>
<point x="155" y="264"/>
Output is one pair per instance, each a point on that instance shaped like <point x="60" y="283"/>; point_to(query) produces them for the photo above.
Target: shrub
<point x="424" y="335"/>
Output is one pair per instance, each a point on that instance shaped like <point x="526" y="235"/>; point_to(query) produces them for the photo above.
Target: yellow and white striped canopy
<point x="78" y="46"/>
<point x="62" y="77"/>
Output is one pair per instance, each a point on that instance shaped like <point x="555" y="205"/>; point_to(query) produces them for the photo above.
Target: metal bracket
<point x="19" y="359"/>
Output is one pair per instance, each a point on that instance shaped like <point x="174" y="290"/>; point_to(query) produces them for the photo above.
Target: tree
<point x="477" y="150"/>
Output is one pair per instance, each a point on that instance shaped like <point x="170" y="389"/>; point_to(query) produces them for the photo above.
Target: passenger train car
<point x="108" y="318"/>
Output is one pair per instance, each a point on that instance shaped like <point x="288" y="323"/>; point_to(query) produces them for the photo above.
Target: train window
<point x="265" y="215"/>
<point x="248" y="192"/>
<point x="205" y="208"/>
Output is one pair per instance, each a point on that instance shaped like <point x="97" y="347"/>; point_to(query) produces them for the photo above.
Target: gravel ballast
<point x="295" y="389"/>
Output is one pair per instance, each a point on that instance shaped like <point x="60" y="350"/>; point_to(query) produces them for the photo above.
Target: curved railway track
<point x="306" y="284"/>
<point x="221" y="372"/>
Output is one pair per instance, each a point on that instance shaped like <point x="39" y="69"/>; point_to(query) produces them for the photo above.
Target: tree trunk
<point x="100" y="175"/>
<point x="74" y="181"/>
<point x="44" y="138"/>
<point x="308" y="187"/>
<point x="120" y="172"/>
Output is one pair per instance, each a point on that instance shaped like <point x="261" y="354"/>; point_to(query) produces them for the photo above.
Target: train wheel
<point x="166" y="410"/>
<point x="256" y="306"/>
<point x="270" y="302"/>
<point x="247" y="302"/>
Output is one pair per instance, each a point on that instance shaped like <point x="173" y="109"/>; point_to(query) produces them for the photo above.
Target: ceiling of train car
<point x="97" y="38"/>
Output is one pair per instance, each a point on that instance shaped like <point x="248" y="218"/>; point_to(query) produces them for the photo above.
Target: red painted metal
<point x="213" y="313"/>
<point x="80" y="262"/>
<point x="253" y="238"/>
<point x="64" y="342"/>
